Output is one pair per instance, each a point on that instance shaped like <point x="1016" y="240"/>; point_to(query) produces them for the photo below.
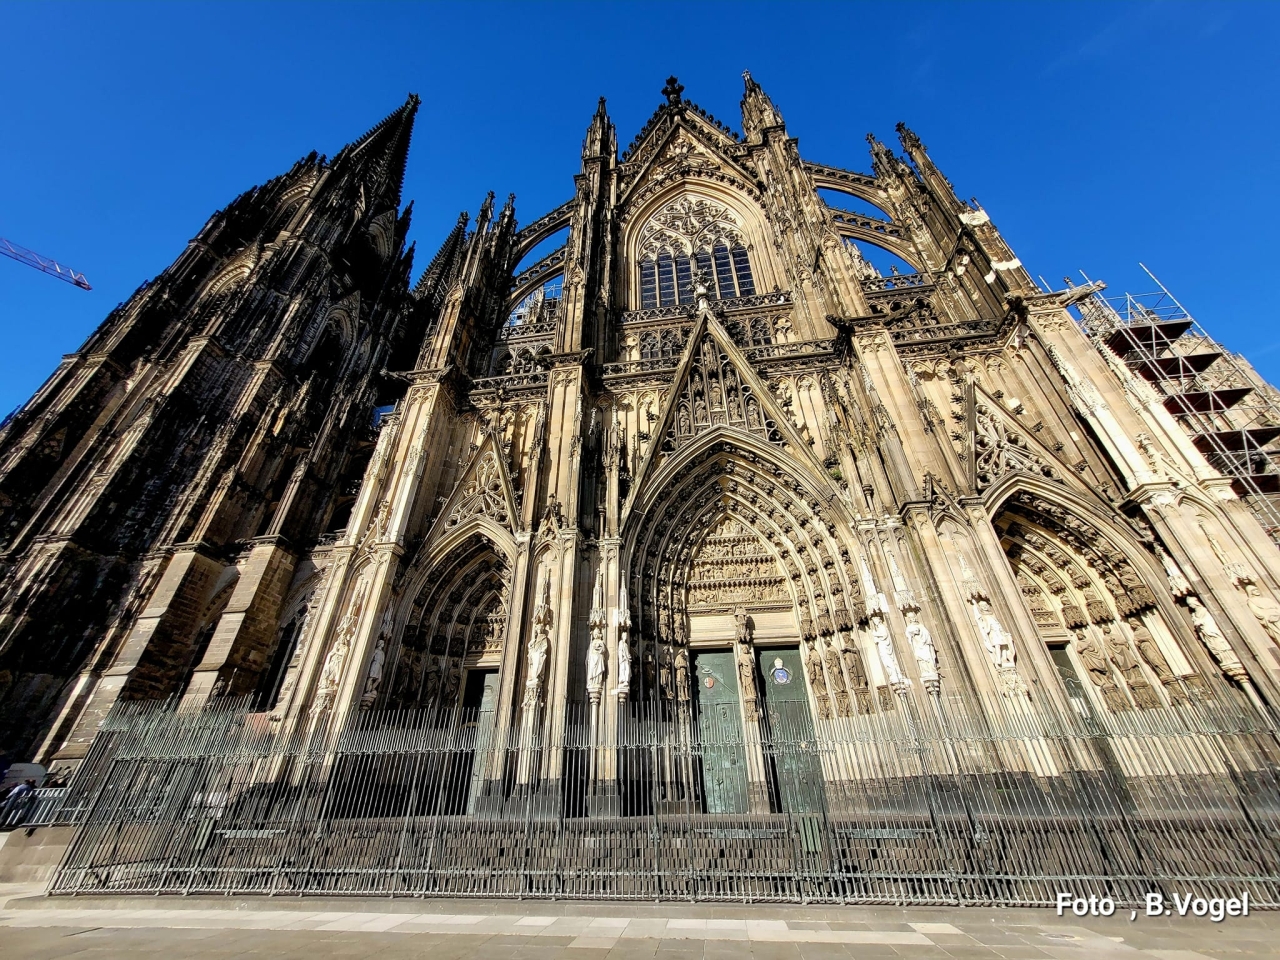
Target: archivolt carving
<point x="773" y="541"/>
<point x="1123" y="662"/>
<point x="458" y="617"/>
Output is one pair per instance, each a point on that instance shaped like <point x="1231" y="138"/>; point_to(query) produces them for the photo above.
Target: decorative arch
<point x="453" y="618"/>
<point x="1098" y="600"/>
<point x="804" y="579"/>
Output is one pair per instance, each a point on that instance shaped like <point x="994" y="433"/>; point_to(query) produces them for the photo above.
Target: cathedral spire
<point x="377" y="159"/>
<point x="443" y="265"/>
<point x="601" y="139"/>
<point x="883" y="162"/>
<point x="758" y="112"/>
<point x="928" y="171"/>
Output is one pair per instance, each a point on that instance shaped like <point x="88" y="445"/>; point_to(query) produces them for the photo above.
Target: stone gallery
<point x="697" y="557"/>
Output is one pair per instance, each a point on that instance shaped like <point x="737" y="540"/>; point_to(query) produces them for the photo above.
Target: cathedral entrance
<point x="479" y="704"/>
<point x="719" y="718"/>
<point x="794" y="769"/>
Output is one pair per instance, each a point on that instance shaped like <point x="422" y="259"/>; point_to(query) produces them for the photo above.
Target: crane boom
<point x="51" y="267"/>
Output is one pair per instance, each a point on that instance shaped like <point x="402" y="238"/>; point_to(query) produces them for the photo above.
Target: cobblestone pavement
<point x="33" y="927"/>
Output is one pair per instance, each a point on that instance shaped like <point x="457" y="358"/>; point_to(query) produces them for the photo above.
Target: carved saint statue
<point x="747" y="679"/>
<point x="1210" y="635"/>
<point x="922" y="646"/>
<point x="682" y="674"/>
<point x="884" y="647"/>
<point x="1266" y="609"/>
<point x="1178" y="584"/>
<point x="1150" y="650"/>
<point x="832" y="660"/>
<point x="1094" y="659"/>
<point x="539" y="646"/>
<point x="336" y="660"/>
<point x="374" y="679"/>
<point x="597" y="650"/>
<point x="813" y="669"/>
<point x="996" y="639"/>
<point x="623" y="617"/>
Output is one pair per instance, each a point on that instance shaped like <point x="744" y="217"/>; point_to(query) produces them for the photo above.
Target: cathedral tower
<point x="160" y="490"/>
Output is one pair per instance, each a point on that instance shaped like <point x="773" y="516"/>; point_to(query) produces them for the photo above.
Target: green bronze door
<point x="788" y="729"/>
<point x="724" y="757"/>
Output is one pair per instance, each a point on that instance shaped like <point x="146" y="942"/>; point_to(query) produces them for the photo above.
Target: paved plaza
<point x="33" y="927"/>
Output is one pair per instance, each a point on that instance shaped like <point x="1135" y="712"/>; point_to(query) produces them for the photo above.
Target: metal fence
<point x="973" y="803"/>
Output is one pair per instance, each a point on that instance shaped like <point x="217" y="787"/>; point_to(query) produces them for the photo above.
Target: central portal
<point x="723" y="754"/>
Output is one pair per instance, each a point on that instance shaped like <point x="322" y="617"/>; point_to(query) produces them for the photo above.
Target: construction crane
<point x="44" y="264"/>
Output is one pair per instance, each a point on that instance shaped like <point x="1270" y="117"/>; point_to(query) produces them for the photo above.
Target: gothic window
<point x="540" y="304"/>
<point x="666" y="280"/>
<point x="704" y="263"/>
<point x="692" y="235"/>
<point x="724" y="272"/>
<point x="684" y="279"/>
<point x="648" y="285"/>
<point x="742" y="268"/>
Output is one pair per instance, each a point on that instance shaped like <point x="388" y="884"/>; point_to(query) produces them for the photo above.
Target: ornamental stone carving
<point x="482" y="494"/>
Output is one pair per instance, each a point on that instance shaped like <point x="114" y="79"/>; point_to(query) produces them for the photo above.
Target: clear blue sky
<point x="1095" y="134"/>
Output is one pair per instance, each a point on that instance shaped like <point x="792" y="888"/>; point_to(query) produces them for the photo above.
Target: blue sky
<point x="1096" y="135"/>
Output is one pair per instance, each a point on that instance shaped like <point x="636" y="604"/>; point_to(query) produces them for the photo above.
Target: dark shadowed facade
<point x="698" y="513"/>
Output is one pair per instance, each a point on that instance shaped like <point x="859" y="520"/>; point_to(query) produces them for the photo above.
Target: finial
<point x="414" y="100"/>
<point x="672" y="90"/>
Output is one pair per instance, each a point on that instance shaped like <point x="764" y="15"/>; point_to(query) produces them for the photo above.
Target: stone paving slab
<point x="210" y="928"/>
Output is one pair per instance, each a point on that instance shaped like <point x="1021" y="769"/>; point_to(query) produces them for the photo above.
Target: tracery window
<point x="692" y="234"/>
<point x="541" y="304"/>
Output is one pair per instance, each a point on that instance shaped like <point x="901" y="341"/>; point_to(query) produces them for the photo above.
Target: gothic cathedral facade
<point x="702" y="459"/>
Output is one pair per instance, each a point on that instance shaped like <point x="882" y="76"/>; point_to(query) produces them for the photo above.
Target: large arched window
<point x="692" y="235"/>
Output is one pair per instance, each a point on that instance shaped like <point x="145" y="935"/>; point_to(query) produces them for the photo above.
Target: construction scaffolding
<point x="1230" y="412"/>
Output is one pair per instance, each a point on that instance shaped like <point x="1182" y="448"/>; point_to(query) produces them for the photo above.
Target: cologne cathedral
<point x="701" y="474"/>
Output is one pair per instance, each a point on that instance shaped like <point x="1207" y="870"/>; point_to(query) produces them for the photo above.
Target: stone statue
<point x="813" y="669"/>
<point x="1178" y="584"/>
<point x="995" y="638"/>
<point x="1095" y="662"/>
<point x="1265" y="609"/>
<point x="597" y="650"/>
<point x="407" y="676"/>
<point x="666" y="667"/>
<point x="999" y="645"/>
<point x="623" y="617"/>
<point x="452" y="681"/>
<point x="884" y="647"/>
<point x="374" y="679"/>
<point x="336" y="660"/>
<point x="431" y="682"/>
<point x="539" y="646"/>
<point x="1210" y="635"/>
<point x="1150" y="651"/>
<point x="922" y="646"/>
<point x="682" y="674"/>
<point x="836" y="678"/>
<point x="1121" y="655"/>
<point x="747" y="680"/>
